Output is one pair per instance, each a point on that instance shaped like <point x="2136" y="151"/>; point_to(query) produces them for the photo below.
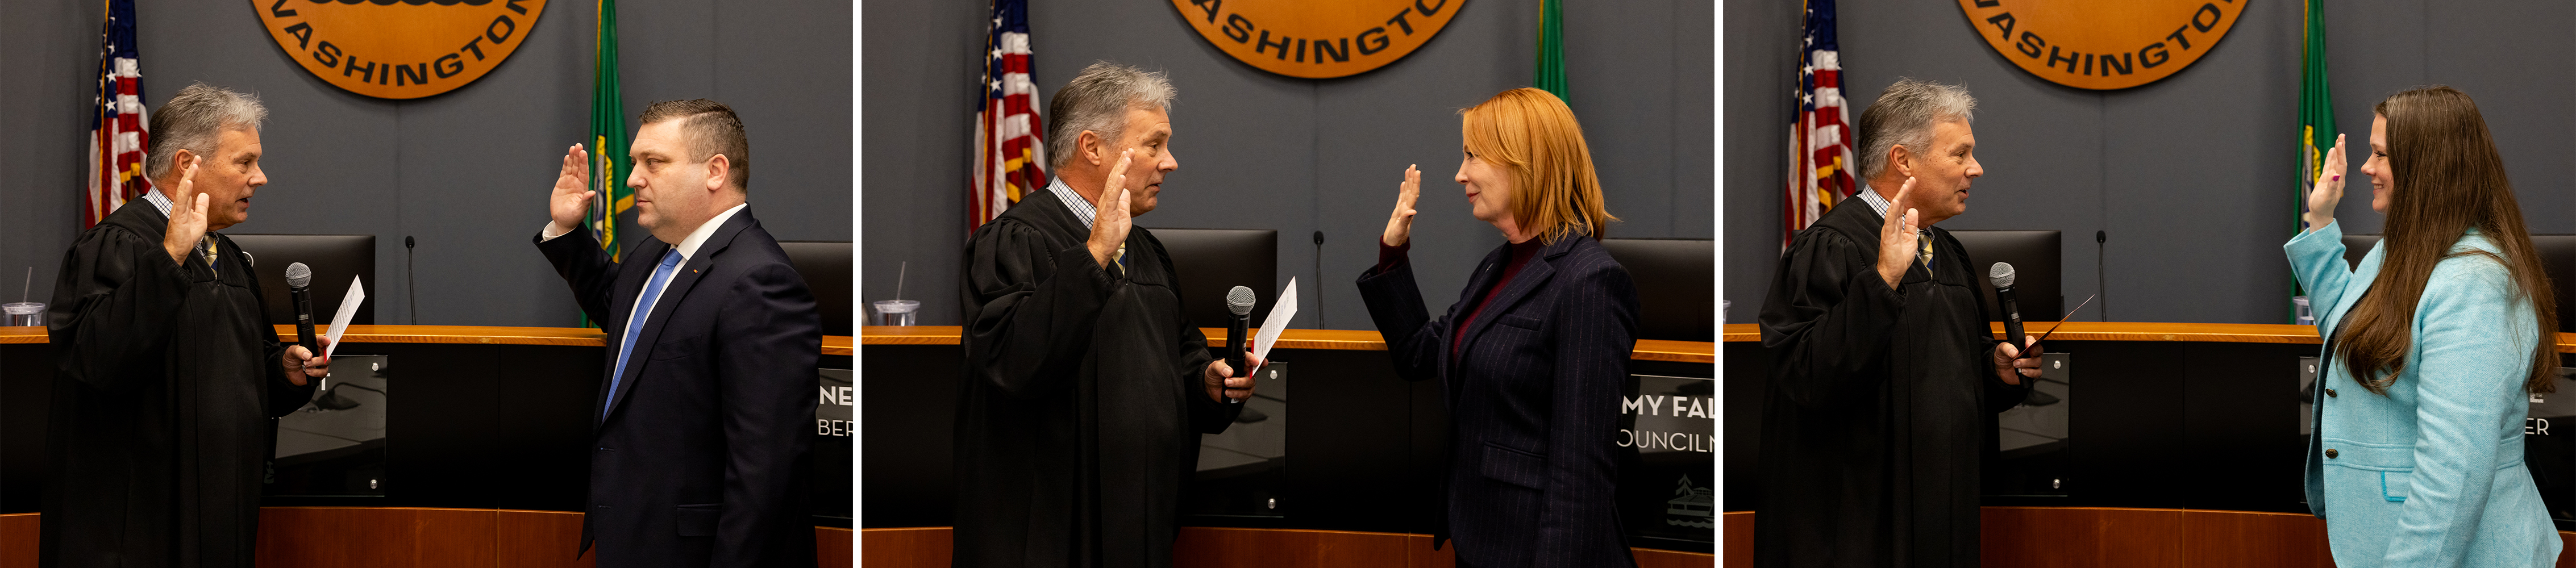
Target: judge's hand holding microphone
<point x="1112" y="216"/>
<point x="1899" y="245"/>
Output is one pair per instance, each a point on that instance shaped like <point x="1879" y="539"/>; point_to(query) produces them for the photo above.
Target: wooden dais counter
<point x="452" y="334"/>
<point x="1336" y="339"/>
<point x="492" y="466"/>
<point x="2149" y="331"/>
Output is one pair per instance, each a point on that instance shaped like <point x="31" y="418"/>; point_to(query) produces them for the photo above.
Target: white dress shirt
<point x="688" y="247"/>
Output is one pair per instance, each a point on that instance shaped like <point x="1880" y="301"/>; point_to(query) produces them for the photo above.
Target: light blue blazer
<point x="2430" y="474"/>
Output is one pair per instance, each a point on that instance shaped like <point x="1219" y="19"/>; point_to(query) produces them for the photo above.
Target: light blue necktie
<point x="643" y="309"/>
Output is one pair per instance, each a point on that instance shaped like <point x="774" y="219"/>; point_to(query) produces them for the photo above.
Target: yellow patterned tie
<point x="210" y="253"/>
<point x="1926" y="241"/>
<point x="1120" y="259"/>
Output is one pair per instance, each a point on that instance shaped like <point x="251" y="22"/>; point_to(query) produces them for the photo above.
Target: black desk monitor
<point x="334" y="260"/>
<point x="1676" y="286"/>
<point x="825" y="265"/>
<point x="2034" y="256"/>
<point x="1212" y="261"/>
<point x="2357" y="246"/>
<point x="2558" y="252"/>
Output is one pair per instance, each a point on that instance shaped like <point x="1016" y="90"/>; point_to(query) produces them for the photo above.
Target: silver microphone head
<point x="298" y="276"/>
<point x="2001" y="275"/>
<point x="1239" y="300"/>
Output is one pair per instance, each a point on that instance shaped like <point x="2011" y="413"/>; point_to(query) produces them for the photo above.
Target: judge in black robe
<point x="1086" y="389"/>
<point x="1881" y="400"/>
<point x="1082" y="407"/>
<point x="166" y="376"/>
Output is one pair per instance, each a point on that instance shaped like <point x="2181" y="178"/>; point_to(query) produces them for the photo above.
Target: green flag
<point x="608" y="163"/>
<point x="1551" y="49"/>
<point x="2316" y="123"/>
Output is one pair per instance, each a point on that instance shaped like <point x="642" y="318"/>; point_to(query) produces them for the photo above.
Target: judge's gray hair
<point x="193" y="120"/>
<point x="1097" y="100"/>
<point x="1904" y="116"/>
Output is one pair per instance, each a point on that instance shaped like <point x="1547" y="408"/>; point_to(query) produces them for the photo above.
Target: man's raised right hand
<point x="1110" y="219"/>
<point x="1897" y="240"/>
<point x="572" y="194"/>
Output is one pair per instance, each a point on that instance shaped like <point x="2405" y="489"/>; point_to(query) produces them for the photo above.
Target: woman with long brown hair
<point x="1533" y="354"/>
<point x="2439" y="335"/>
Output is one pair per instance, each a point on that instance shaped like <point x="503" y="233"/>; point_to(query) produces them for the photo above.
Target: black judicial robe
<point x="1080" y="415"/>
<point x="165" y="378"/>
<point x="1880" y="405"/>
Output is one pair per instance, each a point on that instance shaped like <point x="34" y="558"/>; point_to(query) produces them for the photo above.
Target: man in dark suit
<point x="712" y="339"/>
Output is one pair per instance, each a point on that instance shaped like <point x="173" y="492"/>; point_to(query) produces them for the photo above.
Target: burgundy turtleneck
<point x="1389" y="256"/>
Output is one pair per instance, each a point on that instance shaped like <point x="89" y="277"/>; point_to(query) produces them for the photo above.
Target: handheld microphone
<point x="2002" y="277"/>
<point x="298" y="278"/>
<point x="1239" y="301"/>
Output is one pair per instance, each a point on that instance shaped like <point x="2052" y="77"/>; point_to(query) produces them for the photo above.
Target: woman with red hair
<point x="1533" y="354"/>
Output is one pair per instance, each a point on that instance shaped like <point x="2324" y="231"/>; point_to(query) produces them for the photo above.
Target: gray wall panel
<point x="1760" y="72"/>
<point x="46" y="129"/>
<point x="2193" y="177"/>
<point x="466" y="171"/>
<point x="917" y="100"/>
<point x="1295" y="155"/>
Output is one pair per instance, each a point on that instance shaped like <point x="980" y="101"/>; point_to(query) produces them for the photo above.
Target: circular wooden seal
<point x="1317" y="39"/>
<point x="399" y="49"/>
<point x="2097" y="44"/>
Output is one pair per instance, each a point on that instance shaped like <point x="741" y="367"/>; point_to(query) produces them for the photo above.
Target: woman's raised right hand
<point x="2328" y="190"/>
<point x="1399" y="225"/>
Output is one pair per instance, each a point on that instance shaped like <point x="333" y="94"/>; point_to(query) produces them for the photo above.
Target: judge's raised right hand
<point x="1897" y="240"/>
<point x="187" y="218"/>
<point x="1110" y="219"/>
<point x="1399" y="225"/>
<point x="572" y="194"/>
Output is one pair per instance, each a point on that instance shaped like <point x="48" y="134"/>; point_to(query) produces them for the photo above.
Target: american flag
<point x="117" y="123"/>
<point x="1010" y="142"/>
<point x="1821" y="157"/>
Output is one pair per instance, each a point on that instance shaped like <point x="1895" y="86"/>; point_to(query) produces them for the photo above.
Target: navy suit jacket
<point x="700" y="455"/>
<point x="1533" y="401"/>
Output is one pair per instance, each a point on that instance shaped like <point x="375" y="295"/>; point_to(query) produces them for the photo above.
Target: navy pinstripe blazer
<point x="1533" y="401"/>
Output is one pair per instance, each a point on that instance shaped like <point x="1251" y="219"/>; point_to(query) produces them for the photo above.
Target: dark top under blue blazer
<point x="1533" y="400"/>
<point x="700" y="457"/>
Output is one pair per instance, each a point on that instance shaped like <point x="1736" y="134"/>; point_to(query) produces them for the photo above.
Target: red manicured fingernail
<point x="2338" y="177"/>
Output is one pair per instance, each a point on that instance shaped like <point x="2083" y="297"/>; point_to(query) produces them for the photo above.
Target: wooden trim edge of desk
<point x="2146" y="331"/>
<point x="448" y="334"/>
<point x="2084" y="536"/>
<point x="427" y="535"/>
<point x="1342" y="339"/>
<point x="1211" y="546"/>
